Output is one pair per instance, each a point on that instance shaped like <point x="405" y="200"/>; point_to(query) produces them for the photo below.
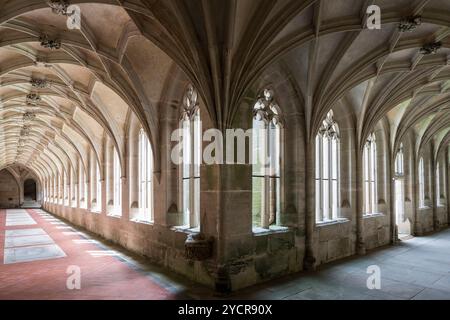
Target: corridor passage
<point x="40" y="254"/>
<point x="38" y="250"/>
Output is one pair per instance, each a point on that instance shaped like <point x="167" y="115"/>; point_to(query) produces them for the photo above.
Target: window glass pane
<point x="196" y="202"/>
<point x="274" y="150"/>
<point x="186" y="140"/>
<point x="366" y="197"/>
<point x="325" y="158"/>
<point x="326" y="197"/>
<point x="366" y="163"/>
<point x="257" y="199"/>
<point x="186" y="209"/>
<point x="259" y="152"/>
<point x="335" y="199"/>
<point x="318" y="202"/>
<point x="318" y="146"/>
<point x="99" y="189"/>
<point x="197" y="146"/>
<point x="334" y="159"/>
<point x="117" y="183"/>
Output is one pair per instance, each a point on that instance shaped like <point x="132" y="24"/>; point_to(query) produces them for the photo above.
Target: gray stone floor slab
<point x="18" y="218"/>
<point x="11" y="242"/>
<point x="24" y="232"/>
<point x="28" y="254"/>
<point x="20" y="223"/>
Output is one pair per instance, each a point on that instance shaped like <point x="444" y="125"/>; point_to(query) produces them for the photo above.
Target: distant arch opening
<point x="29" y="190"/>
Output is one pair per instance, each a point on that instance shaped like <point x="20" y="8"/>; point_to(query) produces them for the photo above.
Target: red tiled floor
<point x="101" y="277"/>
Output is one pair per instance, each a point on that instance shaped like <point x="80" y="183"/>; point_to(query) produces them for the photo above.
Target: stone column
<point x="82" y="184"/>
<point x="77" y="185"/>
<point x="104" y="197"/>
<point x="125" y="199"/>
<point x="433" y="190"/>
<point x="360" y="243"/>
<point x="167" y="208"/>
<point x="88" y="184"/>
<point x="392" y="195"/>
<point x="310" y="255"/>
<point x="447" y="182"/>
<point x="109" y="176"/>
<point x="133" y="166"/>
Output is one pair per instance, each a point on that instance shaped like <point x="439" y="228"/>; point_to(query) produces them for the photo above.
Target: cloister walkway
<point x="38" y="253"/>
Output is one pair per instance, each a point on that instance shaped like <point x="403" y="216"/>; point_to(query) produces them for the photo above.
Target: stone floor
<point x="38" y="252"/>
<point x="418" y="268"/>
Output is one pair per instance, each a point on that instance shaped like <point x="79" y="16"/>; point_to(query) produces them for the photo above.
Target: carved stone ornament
<point x="25" y="131"/>
<point x="329" y="127"/>
<point x="431" y="48"/>
<point x="59" y="6"/>
<point x="197" y="247"/>
<point x="52" y="44"/>
<point x="190" y="103"/>
<point x="29" y="116"/>
<point x="39" y="83"/>
<point x="266" y="109"/>
<point x="410" y="23"/>
<point x="33" y="99"/>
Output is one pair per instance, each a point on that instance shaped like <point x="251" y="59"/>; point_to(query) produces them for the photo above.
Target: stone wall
<point x="9" y="191"/>
<point x="162" y="245"/>
<point x="424" y="222"/>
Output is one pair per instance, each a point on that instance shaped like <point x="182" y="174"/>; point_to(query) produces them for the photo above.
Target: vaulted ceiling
<point x="55" y="102"/>
<point x="63" y="91"/>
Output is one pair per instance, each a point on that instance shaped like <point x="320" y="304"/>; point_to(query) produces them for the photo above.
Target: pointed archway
<point x="29" y="190"/>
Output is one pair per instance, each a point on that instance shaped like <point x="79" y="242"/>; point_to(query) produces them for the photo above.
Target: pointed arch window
<point x="370" y="175"/>
<point x="421" y="183"/>
<point x="82" y="185"/>
<point x="117" y="184"/>
<point x="438" y="185"/>
<point x="145" y="179"/>
<point x="61" y="188"/>
<point x="97" y="192"/>
<point x="327" y="170"/>
<point x="266" y="168"/>
<point x="73" y="192"/>
<point x="399" y="165"/>
<point x="66" y="189"/>
<point x="54" y="189"/>
<point x="99" y="188"/>
<point x="191" y="158"/>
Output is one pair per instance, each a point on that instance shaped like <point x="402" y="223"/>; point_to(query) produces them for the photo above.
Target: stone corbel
<point x="198" y="247"/>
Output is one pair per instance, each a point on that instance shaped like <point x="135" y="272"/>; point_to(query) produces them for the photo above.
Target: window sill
<point x="186" y="230"/>
<point x="258" y="231"/>
<point x="331" y="223"/>
<point x="373" y="215"/>
<point x="424" y="208"/>
<point x="139" y="221"/>
<point x="115" y="216"/>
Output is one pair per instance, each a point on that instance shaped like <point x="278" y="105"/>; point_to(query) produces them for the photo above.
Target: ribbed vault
<point x="58" y="103"/>
<point x="64" y="92"/>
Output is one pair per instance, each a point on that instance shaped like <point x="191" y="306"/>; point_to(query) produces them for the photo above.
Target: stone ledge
<point x="273" y="230"/>
<point x="331" y="223"/>
<point x="374" y="215"/>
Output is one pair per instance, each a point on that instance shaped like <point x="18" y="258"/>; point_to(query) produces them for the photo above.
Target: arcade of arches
<point x="358" y="127"/>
